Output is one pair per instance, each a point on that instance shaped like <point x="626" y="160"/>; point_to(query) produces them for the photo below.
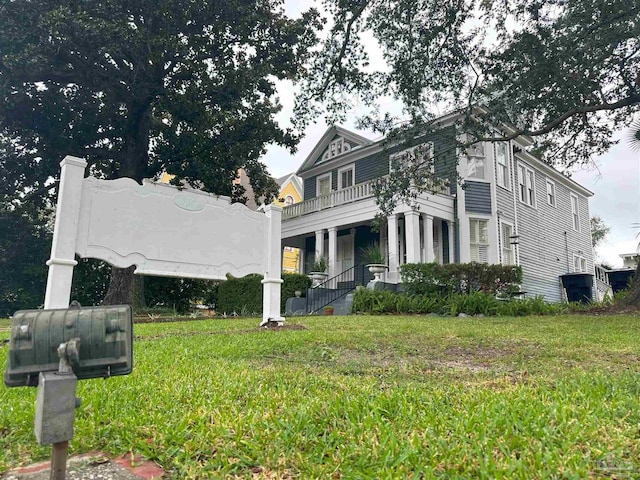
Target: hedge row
<point x="244" y="295"/>
<point x="381" y="301"/>
<point x="434" y="278"/>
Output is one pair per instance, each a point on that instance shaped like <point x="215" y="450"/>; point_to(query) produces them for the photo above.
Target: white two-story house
<point x="508" y="207"/>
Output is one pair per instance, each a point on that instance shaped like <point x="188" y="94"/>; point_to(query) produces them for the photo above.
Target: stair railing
<point x="334" y="288"/>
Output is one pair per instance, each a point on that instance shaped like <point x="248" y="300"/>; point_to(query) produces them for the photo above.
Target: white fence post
<point x="272" y="281"/>
<point x="63" y="248"/>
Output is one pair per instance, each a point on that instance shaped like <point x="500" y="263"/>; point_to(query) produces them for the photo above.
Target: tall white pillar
<point x="63" y="247"/>
<point x="319" y="243"/>
<point x="394" y="259"/>
<point x="412" y="236"/>
<point x="333" y="251"/>
<point x="451" y="227"/>
<point x="301" y="256"/>
<point x="272" y="281"/>
<point x="427" y="225"/>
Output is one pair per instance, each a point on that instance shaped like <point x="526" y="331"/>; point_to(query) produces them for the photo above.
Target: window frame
<point x="552" y="184"/>
<point x="286" y="198"/>
<point x="346" y="168"/>
<point x="319" y="178"/>
<point x="332" y="148"/>
<point x="478" y="243"/>
<point x="575" y="216"/>
<point x="431" y="146"/>
<point x="581" y="260"/>
<point x="484" y="169"/>
<point x="506" y="177"/>
<point x="512" y="246"/>
<point x="530" y="188"/>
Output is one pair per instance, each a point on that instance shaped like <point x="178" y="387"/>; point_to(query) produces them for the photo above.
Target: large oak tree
<point x="138" y="87"/>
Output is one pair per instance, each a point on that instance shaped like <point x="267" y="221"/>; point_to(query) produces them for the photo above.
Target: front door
<point x="344" y="259"/>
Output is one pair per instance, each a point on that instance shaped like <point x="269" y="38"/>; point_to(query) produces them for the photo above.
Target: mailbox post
<point x="53" y="349"/>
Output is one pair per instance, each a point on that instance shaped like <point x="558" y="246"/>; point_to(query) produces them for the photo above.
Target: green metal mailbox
<point x="105" y="343"/>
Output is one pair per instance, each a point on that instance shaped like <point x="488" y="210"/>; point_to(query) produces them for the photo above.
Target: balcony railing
<point x="337" y="197"/>
<point x="351" y="194"/>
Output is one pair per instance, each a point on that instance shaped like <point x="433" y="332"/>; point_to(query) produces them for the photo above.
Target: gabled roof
<point x="290" y="178"/>
<point x="315" y="156"/>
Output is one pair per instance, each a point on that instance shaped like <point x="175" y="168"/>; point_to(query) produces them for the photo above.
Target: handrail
<point x="328" y="291"/>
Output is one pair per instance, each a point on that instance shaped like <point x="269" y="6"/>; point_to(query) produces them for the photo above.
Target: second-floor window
<point x="324" y="185"/>
<point x="502" y="164"/>
<point x="526" y="184"/>
<point x="420" y="156"/>
<point x="475" y="168"/>
<point x="479" y="240"/>
<point x="288" y="200"/>
<point x="575" y="217"/>
<point x="345" y="177"/>
<point x="551" y="193"/>
<point x="476" y="161"/>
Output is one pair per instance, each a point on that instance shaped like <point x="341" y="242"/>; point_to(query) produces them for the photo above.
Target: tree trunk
<point x="134" y="161"/>
<point x="120" y="287"/>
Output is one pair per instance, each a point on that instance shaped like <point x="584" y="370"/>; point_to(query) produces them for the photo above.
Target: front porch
<point x="407" y="237"/>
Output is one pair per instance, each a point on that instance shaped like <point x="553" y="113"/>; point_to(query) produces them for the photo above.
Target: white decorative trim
<point x="75" y="161"/>
<point x="60" y="261"/>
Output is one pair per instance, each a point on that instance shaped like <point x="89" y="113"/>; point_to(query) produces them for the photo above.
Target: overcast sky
<point x="615" y="182"/>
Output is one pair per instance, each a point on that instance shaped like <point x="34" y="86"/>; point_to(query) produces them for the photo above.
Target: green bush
<point x="382" y="301"/>
<point x="293" y="282"/>
<point x="178" y="293"/>
<point x="240" y="295"/>
<point x="434" y="278"/>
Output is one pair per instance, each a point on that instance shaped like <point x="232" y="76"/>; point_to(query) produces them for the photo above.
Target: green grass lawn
<point x="364" y="397"/>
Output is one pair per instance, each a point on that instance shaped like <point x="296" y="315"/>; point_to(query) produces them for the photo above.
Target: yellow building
<point x="290" y="193"/>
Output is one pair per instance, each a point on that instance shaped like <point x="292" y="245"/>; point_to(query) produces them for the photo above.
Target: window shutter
<point x="483" y="254"/>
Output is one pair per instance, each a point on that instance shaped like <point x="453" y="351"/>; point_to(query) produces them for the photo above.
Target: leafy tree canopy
<point x="139" y="87"/>
<point x="599" y="230"/>
<point x="565" y="73"/>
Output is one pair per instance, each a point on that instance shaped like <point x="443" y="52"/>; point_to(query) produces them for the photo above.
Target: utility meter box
<point x="106" y="343"/>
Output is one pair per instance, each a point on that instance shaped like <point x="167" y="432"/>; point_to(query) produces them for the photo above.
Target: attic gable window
<point x="335" y="148"/>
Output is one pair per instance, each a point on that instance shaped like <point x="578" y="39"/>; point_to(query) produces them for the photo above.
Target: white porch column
<point x="63" y="247"/>
<point x="394" y="260"/>
<point x="428" y="238"/>
<point x="333" y="251"/>
<point x="412" y="236"/>
<point x="319" y="244"/>
<point x="451" y="227"/>
<point x="301" y="256"/>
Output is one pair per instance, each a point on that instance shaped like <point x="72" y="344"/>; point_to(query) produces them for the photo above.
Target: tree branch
<point x="345" y="42"/>
<point x="625" y="102"/>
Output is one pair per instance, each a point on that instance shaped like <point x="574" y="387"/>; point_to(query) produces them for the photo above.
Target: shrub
<point x="382" y="301"/>
<point x="433" y="278"/>
<point x="240" y="295"/>
<point x="293" y="282"/>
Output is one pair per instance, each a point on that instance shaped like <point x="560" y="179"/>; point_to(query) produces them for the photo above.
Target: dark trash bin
<point x="619" y="279"/>
<point x="579" y="286"/>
